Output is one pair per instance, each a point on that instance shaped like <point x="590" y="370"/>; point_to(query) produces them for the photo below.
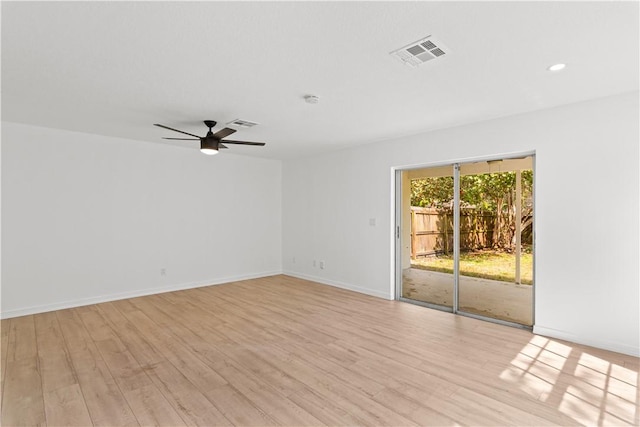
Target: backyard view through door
<point x="490" y="220"/>
<point x="427" y="234"/>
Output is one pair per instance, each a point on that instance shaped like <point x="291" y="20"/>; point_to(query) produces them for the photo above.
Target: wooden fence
<point x="432" y="231"/>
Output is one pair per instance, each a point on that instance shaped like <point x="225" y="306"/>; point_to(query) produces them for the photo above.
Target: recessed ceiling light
<point x="557" y="67"/>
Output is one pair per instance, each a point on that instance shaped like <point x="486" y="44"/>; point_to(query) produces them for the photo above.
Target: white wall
<point x="87" y="218"/>
<point x="587" y="282"/>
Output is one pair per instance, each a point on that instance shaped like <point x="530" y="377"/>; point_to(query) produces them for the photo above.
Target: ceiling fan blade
<point x="176" y="130"/>
<point x="244" y="143"/>
<point x="224" y="132"/>
<point x="222" y="146"/>
<point x="184" y="139"/>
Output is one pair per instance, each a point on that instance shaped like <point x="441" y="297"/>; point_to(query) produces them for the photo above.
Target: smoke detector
<point x="241" y="123"/>
<point x="421" y="51"/>
<point x="311" y="99"/>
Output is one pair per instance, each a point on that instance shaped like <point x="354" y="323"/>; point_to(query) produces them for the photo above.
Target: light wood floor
<point x="283" y="351"/>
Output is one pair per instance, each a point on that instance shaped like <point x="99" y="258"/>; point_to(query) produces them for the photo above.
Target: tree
<point x="432" y="192"/>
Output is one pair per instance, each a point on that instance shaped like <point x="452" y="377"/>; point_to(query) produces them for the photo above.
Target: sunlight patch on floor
<point x="587" y="388"/>
<point x="602" y="394"/>
<point x="537" y="367"/>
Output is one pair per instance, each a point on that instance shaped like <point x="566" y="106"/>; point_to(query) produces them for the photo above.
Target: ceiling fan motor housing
<point x="210" y="143"/>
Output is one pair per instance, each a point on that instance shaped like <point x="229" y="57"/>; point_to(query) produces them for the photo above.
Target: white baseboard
<point x="338" y="284"/>
<point x="605" y="345"/>
<point x="131" y="294"/>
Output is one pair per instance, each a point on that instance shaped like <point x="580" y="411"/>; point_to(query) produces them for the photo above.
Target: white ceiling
<point x="115" y="68"/>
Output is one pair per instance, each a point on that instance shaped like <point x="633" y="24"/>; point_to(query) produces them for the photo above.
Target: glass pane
<point x="496" y="254"/>
<point x="427" y="235"/>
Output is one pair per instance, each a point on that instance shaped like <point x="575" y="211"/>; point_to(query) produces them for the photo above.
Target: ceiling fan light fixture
<point x="209" y="151"/>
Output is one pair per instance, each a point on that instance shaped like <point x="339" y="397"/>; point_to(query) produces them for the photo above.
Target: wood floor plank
<point x="183" y="394"/>
<point x="55" y="363"/>
<point x="103" y="398"/>
<point x="267" y="398"/>
<point x="255" y="391"/>
<point x="151" y="407"/>
<point x="23" y="403"/>
<point x="145" y="399"/>
<point x="148" y="404"/>
<point x="189" y="364"/>
<point x="339" y="392"/>
<point x="185" y="398"/>
<point x="146" y="355"/>
<point x="328" y="411"/>
<point x="22" y="340"/>
<point x="286" y="351"/>
<point x="237" y="408"/>
<point x="260" y="367"/>
<point x="411" y="408"/>
<point x="4" y="345"/>
<point x="64" y="402"/>
<point x="213" y="386"/>
<point x="123" y="367"/>
<point x="65" y="406"/>
<point x="159" y="371"/>
<point x="22" y="396"/>
<point x="95" y="324"/>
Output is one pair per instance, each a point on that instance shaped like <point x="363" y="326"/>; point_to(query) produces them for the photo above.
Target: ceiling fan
<point x="212" y="142"/>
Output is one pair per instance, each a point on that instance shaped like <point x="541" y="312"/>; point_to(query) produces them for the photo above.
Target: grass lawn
<point x="487" y="264"/>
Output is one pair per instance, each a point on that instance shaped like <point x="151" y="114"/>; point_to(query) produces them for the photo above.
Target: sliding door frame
<point x="397" y="232"/>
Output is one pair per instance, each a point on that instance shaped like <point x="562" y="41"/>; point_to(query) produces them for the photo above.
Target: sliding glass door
<point x="496" y="263"/>
<point x="427" y="234"/>
<point x="465" y="238"/>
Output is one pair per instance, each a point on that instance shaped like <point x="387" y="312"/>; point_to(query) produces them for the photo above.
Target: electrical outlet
<point x="163" y="271"/>
<point x="372" y="222"/>
<point x="321" y="265"/>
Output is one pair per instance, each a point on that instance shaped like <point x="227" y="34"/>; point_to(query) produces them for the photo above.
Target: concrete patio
<point x="491" y="298"/>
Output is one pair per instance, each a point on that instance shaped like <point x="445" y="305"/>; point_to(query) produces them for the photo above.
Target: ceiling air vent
<point x="421" y="51"/>
<point x="242" y="123"/>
